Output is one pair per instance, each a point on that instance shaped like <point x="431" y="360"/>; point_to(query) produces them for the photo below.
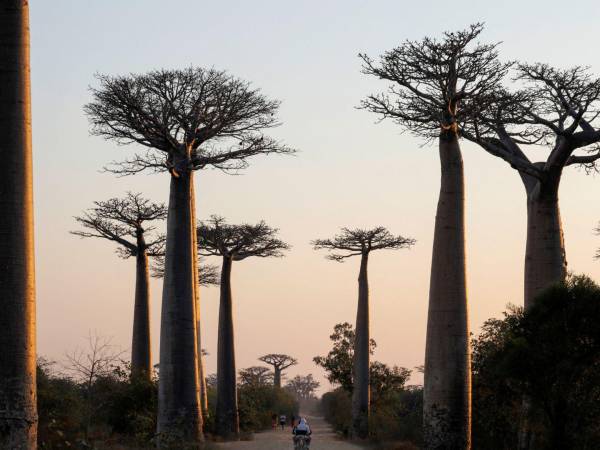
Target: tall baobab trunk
<point x="277" y="376"/>
<point x="201" y="369"/>
<point x="227" y="410"/>
<point x="179" y="415"/>
<point x="361" y="382"/>
<point x="447" y="388"/>
<point x="545" y="258"/>
<point x="18" y="413"/>
<point x="141" y="352"/>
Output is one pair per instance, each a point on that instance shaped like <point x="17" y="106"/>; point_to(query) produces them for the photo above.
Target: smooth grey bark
<point x="447" y="384"/>
<point x="201" y="368"/>
<point x="277" y="376"/>
<point x="227" y="408"/>
<point x="179" y="415"/>
<point x="545" y="256"/>
<point x="141" y="351"/>
<point x="18" y="412"/>
<point x="360" y="370"/>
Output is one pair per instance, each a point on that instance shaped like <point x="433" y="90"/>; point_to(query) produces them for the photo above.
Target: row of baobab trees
<point x="185" y="120"/>
<point x="130" y="223"/>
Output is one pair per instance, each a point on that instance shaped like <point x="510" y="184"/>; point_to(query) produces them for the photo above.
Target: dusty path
<point x="323" y="439"/>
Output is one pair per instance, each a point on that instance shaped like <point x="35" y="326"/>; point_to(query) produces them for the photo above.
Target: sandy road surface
<point x="323" y="439"/>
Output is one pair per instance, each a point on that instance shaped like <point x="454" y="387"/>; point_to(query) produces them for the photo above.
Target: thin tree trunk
<point x="545" y="257"/>
<point x="141" y="352"/>
<point x="18" y="412"/>
<point x="361" y="382"/>
<point x="201" y="368"/>
<point x="227" y="409"/>
<point x="276" y="376"/>
<point x="179" y="415"/>
<point x="447" y="387"/>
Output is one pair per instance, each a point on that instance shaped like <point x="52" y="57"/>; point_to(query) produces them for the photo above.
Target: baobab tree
<point x="361" y="242"/>
<point x="186" y="120"/>
<point x="256" y="376"/>
<point x="232" y="243"/>
<point x="126" y="223"/>
<point x="435" y="86"/>
<point x="208" y="275"/>
<point x="18" y="412"/>
<point x="557" y="109"/>
<point x="280" y="363"/>
<point x="303" y="387"/>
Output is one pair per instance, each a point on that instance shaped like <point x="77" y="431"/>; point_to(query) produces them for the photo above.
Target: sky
<point x="349" y="171"/>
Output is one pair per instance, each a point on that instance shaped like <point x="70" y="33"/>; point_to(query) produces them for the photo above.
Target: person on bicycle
<point x="302" y="429"/>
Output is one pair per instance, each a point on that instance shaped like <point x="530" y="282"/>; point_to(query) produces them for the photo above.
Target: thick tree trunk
<point x="141" y="353"/>
<point x="179" y="415"/>
<point x="447" y="387"/>
<point x="18" y="414"/>
<point x="277" y="376"/>
<point x="227" y="408"/>
<point x="201" y="368"/>
<point x="361" y="383"/>
<point x="545" y="258"/>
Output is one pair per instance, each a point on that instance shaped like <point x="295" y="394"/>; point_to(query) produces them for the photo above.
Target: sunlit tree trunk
<point x="360" y="371"/>
<point x="447" y="388"/>
<point x="179" y="415"/>
<point x="141" y="353"/>
<point x="201" y="367"/>
<point x="545" y="257"/>
<point x="18" y="414"/>
<point x="227" y="410"/>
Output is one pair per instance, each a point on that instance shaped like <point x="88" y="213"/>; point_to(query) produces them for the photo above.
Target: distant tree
<point x="556" y="109"/>
<point x="303" y="387"/>
<point x="359" y="242"/>
<point x="435" y="88"/>
<point x="125" y="222"/>
<point x="280" y="363"/>
<point x="256" y="376"/>
<point x="18" y="412"/>
<point x="550" y="354"/>
<point x="187" y="120"/>
<point x="232" y="243"/>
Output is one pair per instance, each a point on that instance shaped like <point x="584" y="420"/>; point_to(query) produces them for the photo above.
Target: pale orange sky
<point x="349" y="172"/>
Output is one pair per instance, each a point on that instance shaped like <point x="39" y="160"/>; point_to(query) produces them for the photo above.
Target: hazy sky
<point x="350" y="171"/>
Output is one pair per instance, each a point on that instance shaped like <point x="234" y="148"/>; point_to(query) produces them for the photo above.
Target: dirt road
<point x="323" y="439"/>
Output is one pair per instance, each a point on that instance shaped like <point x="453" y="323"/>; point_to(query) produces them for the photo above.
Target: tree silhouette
<point x="280" y="363"/>
<point x="435" y="88"/>
<point x="187" y="120"/>
<point x="359" y="242"/>
<point x="256" y="376"/>
<point x="556" y="109"/>
<point x="18" y="410"/>
<point x="232" y="243"/>
<point x="125" y="221"/>
<point x="303" y="387"/>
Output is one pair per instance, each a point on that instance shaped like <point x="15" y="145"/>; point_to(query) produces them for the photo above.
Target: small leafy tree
<point x="126" y="222"/>
<point x="551" y="355"/>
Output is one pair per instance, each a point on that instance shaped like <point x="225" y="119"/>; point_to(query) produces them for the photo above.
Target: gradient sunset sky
<point x="349" y="171"/>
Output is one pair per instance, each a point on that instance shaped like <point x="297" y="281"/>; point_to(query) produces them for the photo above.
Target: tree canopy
<point x="123" y="221"/>
<point x="238" y="242"/>
<point x="352" y="242"/>
<point x="187" y="119"/>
